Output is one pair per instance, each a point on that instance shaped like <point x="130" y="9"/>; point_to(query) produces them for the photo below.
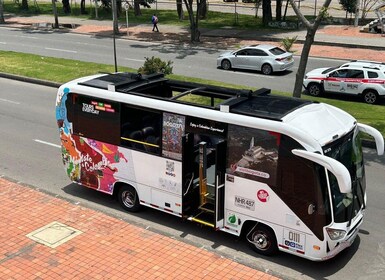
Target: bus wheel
<point x="262" y="240"/>
<point x="129" y="199"/>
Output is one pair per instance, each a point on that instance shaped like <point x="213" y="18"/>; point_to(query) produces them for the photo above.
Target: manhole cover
<point x="53" y="234"/>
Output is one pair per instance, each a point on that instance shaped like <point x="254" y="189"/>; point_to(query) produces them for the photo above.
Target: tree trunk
<point x="202" y="9"/>
<point x="137" y="10"/>
<point x="179" y="9"/>
<point x="2" y="11"/>
<point x="115" y="24"/>
<point x="278" y="10"/>
<point x="194" y="31"/>
<point x="24" y="5"/>
<point x="266" y="12"/>
<point x="54" y="8"/>
<point x="310" y="34"/>
<point x="66" y="6"/>
<point x="83" y="7"/>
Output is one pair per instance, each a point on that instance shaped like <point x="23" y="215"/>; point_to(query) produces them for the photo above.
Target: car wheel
<point x="226" y="64"/>
<point x="370" y="97"/>
<point x="129" y="199"/>
<point x="314" y="89"/>
<point x="267" y="69"/>
<point x="262" y="239"/>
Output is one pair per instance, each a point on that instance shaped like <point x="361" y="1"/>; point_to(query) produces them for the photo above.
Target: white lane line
<point x="60" y="50"/>
<point x="9" y="101"/>
<point x="131" y="59"/>
<point x="28" y="37"/>
<point x="3" y="43"/>
<point x="46" y="143"/>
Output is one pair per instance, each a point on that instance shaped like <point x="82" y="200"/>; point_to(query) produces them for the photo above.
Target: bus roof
<point x="239" y="101"/>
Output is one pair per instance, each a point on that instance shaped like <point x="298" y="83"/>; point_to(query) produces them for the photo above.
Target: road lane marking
<point x="4" y="43"/>
<point x="9" y="101"/>
<point x="46" y="143"/>
<point x="28" y="37"/>
<point x="60" y="50"/>
<point x="131" y="59"/>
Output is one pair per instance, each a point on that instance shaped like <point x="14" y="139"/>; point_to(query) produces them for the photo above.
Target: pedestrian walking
<point x="154" y="21"/>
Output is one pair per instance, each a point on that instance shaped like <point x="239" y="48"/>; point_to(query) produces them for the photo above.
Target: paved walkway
<point x="105" y="247"/>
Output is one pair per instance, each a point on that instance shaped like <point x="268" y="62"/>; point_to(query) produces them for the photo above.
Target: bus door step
<point x="207" y="207"/>
<point x="204" y="218"/>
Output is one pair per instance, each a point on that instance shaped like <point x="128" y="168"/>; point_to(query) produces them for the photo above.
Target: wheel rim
<point x="314" y="90"/>
<point x="370" y="97"/>
<point x="266" y="69"/>
<point x="261" y="241"/>
<point x="128" y="199"/>
<point x="226" y="65"/>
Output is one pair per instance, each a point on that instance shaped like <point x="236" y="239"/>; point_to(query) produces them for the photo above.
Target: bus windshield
<point x="348" y="151"/>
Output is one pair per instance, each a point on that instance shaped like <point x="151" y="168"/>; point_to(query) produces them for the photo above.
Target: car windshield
<point x="330" y="69"/>
<point x="277" y="51"/>
<point x="348" y="151"/>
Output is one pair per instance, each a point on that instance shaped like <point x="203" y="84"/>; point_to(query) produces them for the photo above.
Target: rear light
<point x="280" y="59"/>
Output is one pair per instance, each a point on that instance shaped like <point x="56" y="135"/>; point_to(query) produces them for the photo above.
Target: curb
<point x="30" y="80"/>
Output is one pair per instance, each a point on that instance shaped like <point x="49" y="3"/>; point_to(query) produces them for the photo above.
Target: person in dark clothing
<point x="154" y="21"/>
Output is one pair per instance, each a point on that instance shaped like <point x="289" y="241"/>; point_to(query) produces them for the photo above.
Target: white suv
<point x="358" y="77"/>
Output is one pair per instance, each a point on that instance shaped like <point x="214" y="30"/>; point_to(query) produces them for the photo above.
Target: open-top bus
<point x="287" y="173"/>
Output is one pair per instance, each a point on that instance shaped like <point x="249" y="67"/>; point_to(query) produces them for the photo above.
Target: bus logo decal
<point x="263" y="195"/>
<point x="245" y="203"/>
<point x="294" y="240"/>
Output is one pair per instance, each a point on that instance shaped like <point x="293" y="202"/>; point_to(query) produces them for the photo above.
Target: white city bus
<point x="287" y="173"/>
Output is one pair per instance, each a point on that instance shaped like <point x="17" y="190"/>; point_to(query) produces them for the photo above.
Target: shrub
<point x="156" y="65"/>
<point x="288" y="43"/>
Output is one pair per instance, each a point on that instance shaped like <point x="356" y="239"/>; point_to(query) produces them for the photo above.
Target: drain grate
<point x="54" y="234"/>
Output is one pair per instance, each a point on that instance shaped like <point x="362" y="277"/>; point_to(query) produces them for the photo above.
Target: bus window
<point x="95" y="118"/>
<point x="253" y="154"/>
<point x="140" y="129"/>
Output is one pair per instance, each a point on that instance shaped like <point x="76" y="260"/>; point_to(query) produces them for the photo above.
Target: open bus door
<point x="204" y="198"/>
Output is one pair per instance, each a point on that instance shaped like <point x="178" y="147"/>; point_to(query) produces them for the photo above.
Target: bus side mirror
<point x="338" y="169"/>
<point x="375" y="134"/>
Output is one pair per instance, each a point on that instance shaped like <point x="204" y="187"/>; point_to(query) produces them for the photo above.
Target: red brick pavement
<point x="107" y="248"/>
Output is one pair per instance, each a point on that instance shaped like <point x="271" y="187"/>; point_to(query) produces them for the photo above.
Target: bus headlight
<point x="335" y="234"/>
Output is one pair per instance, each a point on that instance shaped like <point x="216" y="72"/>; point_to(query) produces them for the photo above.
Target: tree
<point x="2" y="11"/>
<point x="195" y="33"/>
<point x="266" y="12"/>
<point x="179" y="9"/>
<point x="367" y="5"/>
<point x="54" y="8"/>
<point x="310" y="34"/>
<point x="349" y="6"/>
<point x="66" y="6"/>
<point x="278" y="10"/>
<point x="24" y="5"/>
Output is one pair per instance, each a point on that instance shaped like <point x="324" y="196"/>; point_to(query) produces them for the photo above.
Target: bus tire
<point x="129" y="198"/>
<point x="263" y="241"/>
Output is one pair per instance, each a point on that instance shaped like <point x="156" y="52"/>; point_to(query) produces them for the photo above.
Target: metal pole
<point x="114" y="20"/>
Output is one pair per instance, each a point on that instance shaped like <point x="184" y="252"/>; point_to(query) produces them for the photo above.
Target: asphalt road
<point x="30" y="153"/>
<point x="196" y="62"/>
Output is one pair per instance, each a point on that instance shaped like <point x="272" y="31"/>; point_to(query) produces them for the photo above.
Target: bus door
<point x="208" y="183"/>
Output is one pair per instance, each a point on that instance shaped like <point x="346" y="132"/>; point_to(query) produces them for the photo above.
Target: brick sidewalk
<point x="106" y="248"/>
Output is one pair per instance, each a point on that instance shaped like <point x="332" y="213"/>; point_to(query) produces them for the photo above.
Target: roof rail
<point x="368" y="61"/>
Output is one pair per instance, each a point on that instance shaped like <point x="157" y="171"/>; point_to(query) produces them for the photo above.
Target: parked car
<point x="358" y="77"/>
<point x="265" y="58"/>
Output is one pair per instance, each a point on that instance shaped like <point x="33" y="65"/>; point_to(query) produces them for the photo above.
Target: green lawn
<point x="63" y="70"/>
